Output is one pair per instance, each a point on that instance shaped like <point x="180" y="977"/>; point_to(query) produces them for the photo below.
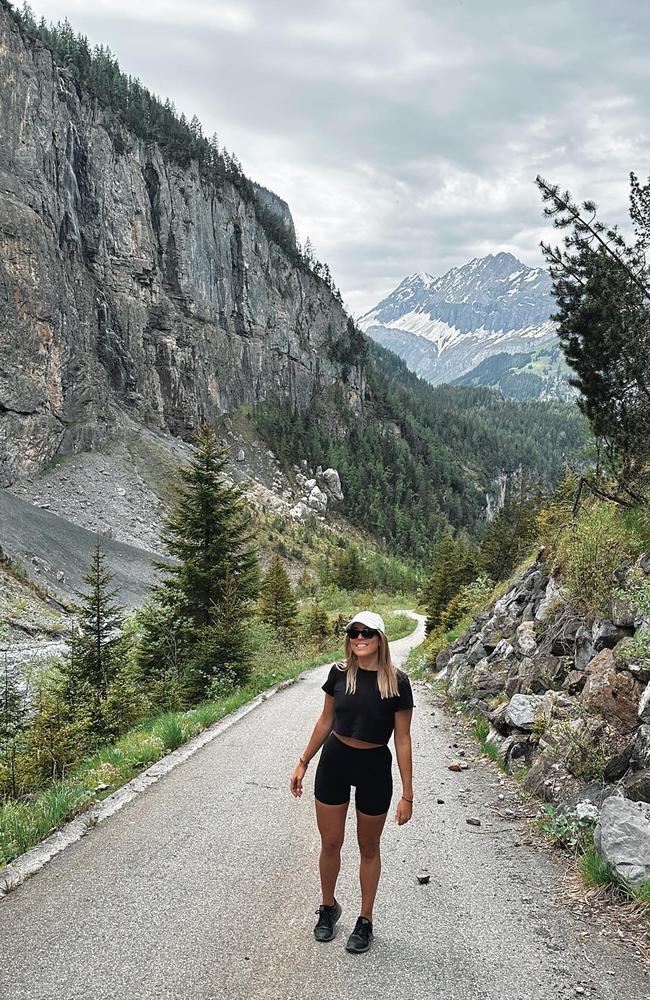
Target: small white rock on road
<point x="205" y="887"/>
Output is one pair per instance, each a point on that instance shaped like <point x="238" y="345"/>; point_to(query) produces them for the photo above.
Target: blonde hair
<point x="386" y="673"/>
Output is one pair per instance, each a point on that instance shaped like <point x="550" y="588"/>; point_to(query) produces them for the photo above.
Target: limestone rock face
<point x="128" y="283"/>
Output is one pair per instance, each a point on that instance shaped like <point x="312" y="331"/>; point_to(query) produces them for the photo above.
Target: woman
<point x="366" y="697"/>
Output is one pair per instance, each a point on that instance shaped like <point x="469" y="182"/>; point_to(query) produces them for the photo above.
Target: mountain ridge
<point x="447" y="326"/>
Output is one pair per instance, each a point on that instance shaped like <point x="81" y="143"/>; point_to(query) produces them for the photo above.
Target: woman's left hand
<point x="404" y="812"/>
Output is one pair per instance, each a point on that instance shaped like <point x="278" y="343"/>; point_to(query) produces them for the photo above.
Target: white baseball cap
<point x="370" y="619"/>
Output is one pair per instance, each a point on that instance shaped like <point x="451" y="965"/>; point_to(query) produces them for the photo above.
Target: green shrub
<point x="594" y="546"/>
<point x="565" y="829"/>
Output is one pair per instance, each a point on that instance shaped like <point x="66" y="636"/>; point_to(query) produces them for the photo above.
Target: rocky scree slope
<point x="561" y="697"/>
<point x="447" y="327"/>
<point x="130" y="286"/>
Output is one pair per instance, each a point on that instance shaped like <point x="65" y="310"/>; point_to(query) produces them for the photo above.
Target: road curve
<point x="205" y="887"/>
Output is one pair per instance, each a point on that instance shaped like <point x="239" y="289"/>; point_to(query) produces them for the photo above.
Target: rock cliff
<point x="130" y="286"/>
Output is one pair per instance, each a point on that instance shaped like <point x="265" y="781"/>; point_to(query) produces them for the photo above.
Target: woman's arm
<point x="320" y="732"/>
<point x="405" y="763"/>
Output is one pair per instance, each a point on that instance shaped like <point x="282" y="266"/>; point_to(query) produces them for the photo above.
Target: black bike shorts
<point x="341" y="766"/>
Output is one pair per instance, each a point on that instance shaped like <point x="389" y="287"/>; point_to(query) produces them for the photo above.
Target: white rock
<point x="317" y="500"/>
<point x="587" y="810"/>
<point x="622" y="837"/>
<point x="521" y="711"/>
<point x="526" y="639"/>
<point x="309" y="484"/>
<point x="241" y="456"/>
<point x="551" y="595"/>
<point x="333" y="481"/>
<point x="300" y="512"/>
<point x="644" y="705"/>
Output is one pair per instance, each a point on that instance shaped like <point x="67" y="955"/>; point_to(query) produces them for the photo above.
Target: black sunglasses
<point x="365" y="633"/>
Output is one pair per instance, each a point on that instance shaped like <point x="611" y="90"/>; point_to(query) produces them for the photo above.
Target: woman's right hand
<point x="296" y="781"/>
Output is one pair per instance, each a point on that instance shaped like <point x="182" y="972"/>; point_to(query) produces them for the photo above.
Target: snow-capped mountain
<point x="445" y="327"/>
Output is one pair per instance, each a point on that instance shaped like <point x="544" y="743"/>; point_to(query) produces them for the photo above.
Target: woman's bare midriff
<point x="357" y="744"/>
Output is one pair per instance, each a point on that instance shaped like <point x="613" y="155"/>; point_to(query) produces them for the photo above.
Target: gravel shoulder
<point x="206" y="885"/>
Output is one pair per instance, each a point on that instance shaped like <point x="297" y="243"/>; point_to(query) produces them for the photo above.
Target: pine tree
<point x="349" y="571"/>
<point x="96" y="648"/>
<point x="13" y="718"/>
<point x="455" y="563"/>
<point x="316" y="626"/>
<point x="215" y="577"/>
<point x="222" y="658"/>
<point x="277" y="604"/>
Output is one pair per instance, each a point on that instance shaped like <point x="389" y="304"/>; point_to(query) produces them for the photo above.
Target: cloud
<point x="405" y="135"/>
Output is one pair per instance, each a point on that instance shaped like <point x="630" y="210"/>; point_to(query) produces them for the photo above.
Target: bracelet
<point x="305" y="763"/>
<point x="407" y="800"/>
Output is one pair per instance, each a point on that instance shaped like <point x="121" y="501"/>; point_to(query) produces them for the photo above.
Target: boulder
<point x="300" y="512"/>
<point x="621" y="613"/>
<point x="637" y="786"/>
<point x="517" y="751"/>
<point x="502" y="652"/>
<point x="476" y="652"/>
<point x="241" y="455"/>
<point x="640" y="748"/>
<point x="618" y="765"/>
<point x="552" y="595"/>
<point x="574" y="681"/>
<point x="563" y="642"/>
<point x="526" y="638"/>
<point x="611" y="692"/>
<point x="442" y="659"/>
<point x="317" y="500"/>
<point x="605" y="634"/>
<point x="587" y="810"/>
<point x="333" y="481"/>
<point x="460" y="680"/>
<point x="640" y="671"/>
<point x="583" y="648"/>
<point x="497" y="719"/>
<point x="556" y="705"/>
<point x="521" y="710"/>
<point x="644" y="705"/>
<point x="622" y="838"/>
<point x="309" y="484"/>
<point x="489" y="679"/>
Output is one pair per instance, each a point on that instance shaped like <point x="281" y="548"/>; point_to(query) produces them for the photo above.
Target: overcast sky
<point x="405" y="134"/>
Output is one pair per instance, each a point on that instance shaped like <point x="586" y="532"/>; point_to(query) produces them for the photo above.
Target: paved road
<point x="205" y="887"/>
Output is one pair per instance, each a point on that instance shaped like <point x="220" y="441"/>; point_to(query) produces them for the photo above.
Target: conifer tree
<point x="13" y="717"/>
<point x="96" y="648"/>
<point x="277" y="604"/>
<point x="349" y="571"/>
<point x="455" y="563"/>
<point x="215" y="577"/>
<point x="316" y="626"/>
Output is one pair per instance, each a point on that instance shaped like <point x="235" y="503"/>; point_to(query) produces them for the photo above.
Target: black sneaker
<point x="327" y="917"/>
<point x="361" y="936"/>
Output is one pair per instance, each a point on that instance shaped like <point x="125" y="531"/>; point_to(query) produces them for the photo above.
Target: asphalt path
<point x="205" y="887"/>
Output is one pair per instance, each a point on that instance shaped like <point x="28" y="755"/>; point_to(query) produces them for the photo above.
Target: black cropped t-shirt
<point x="365" y="715"/>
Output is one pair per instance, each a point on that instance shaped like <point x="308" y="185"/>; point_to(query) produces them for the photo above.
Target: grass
<point x="25" y="823"/>
<point x="596" y="872"/>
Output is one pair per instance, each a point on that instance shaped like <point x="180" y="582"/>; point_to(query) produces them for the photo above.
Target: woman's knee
<point x="369" y="849"/>
<point x="331" y="845"/>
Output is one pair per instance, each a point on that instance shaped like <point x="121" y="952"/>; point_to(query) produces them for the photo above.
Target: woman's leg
<point x="369" y="829"/>
<point x="331" y="825"/>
